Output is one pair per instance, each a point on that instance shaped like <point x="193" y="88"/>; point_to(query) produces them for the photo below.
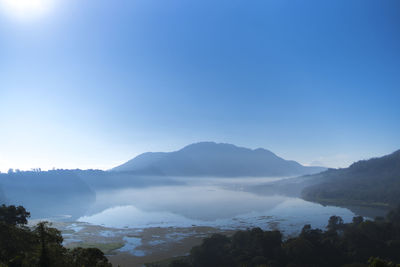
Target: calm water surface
<point x="222" y="203"/>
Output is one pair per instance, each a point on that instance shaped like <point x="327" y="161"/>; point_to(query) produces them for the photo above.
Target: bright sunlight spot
<point x="26" y="9"/>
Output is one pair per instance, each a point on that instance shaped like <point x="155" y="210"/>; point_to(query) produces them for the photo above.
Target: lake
<point x="138" y="224"/>
<point x="216" y="202"/>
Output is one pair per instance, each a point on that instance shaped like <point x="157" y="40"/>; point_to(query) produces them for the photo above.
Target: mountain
<point x="374" y="182"/>
<point x="218" y="160"/>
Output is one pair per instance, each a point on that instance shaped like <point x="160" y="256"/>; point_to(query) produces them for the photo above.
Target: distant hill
<point x="218" y="160"/>
<point x="374" y="182"/>
<point x="58" y="192"/>
<point x="67" y="192"/>
<point x="2" y="196"/>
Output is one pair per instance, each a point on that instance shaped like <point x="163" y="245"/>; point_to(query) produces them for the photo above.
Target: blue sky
<point x="90" y="84"/>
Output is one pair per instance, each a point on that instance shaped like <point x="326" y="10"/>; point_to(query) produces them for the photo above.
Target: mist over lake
<point x="215" y="202"/>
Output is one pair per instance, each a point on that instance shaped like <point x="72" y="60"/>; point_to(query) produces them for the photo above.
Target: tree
<point x="51" y="251"/>
<point x="357" y="220"/>
<point x="394" y="215"/>
<point x="88" y="257"/>
<point x="21" y="246"/>
<point x="44" y="258"/>
<point x="377" y="262"/>
<point x="14" y="215"/>
<point x="214" y="252"/>
<point x="335" y="223"/>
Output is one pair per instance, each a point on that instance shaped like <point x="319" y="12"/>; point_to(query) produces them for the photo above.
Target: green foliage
<point x="377" y="262"/>
<point x="214" y="252"/>
<point x="394" y="215"/>
<point x="88" y="257"/>
<point x="107" y="248"/>
<point x="343" y="244"/>
<point x="374" y="182"/>
<point x="13" y="215"/>
<point x="41" y="246"/>
<point x="335" y="223"/>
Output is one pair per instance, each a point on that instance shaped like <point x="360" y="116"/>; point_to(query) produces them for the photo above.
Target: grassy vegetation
<point x="106" y="248"/>
<point x="165" y="262"/>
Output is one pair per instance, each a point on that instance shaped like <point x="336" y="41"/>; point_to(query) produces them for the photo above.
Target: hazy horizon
<point x="319" y="164"/>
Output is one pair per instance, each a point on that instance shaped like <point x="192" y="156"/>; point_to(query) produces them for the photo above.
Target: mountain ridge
<point x="215" y="159"/>
<point x="372" y="182"/>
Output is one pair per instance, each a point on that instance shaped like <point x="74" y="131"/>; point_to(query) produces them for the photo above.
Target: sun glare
<point x="26" y="9"/>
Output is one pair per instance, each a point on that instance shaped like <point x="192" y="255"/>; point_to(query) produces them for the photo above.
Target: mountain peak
<point x="215" y="159"/>
<point x="209" y="145"/>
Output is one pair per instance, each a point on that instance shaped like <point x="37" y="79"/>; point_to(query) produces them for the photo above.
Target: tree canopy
<point x="21" y="246"/>
<point x="361" y="243"/>
<point x="13" y="215"/>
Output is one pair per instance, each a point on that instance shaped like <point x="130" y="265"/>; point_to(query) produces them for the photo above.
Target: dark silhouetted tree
<point x="13" y="215"/>
<point x="335" y="223"/>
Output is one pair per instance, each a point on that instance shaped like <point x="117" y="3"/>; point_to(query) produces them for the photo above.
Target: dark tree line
<point x="40" y="246"/>
<point x="357" y="244"/>
<point x="369" y="182"/>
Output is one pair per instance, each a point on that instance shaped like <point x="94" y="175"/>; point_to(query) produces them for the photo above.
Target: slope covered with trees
<point x="39" y="246"/>
<point x="373" y="182"/>
<point x="356" y="244"/>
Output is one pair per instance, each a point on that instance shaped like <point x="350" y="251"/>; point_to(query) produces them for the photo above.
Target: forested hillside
<point x="373" y="182"/>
